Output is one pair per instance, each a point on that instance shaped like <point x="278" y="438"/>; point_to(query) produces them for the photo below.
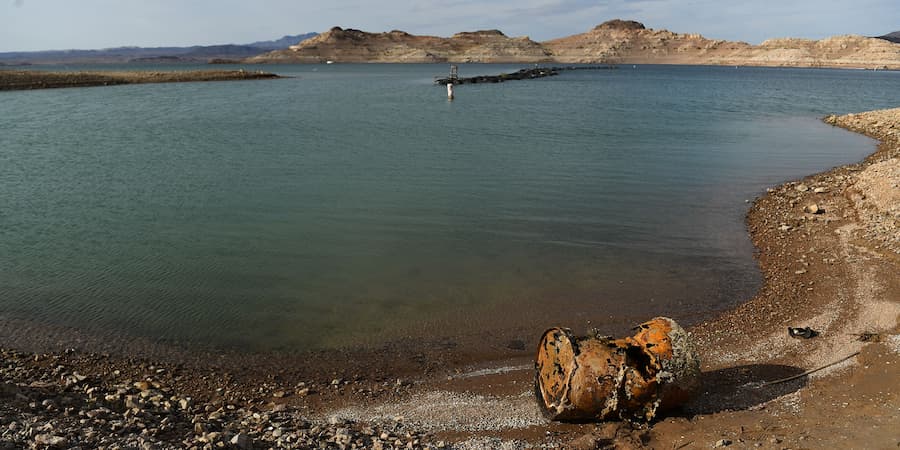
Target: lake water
<point x="353" y="205"/>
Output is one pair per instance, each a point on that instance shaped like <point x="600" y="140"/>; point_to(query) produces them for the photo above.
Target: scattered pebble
<point x="40" y="409"/>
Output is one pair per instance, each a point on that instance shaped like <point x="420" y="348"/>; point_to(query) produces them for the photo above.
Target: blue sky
<point x="65" y="24"/>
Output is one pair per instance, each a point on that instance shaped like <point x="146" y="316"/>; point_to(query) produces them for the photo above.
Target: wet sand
<point x="37" y="79"/>
<point x="834" y="270"/>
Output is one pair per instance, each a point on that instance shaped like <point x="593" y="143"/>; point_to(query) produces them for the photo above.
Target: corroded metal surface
<point x="598" y="378"/>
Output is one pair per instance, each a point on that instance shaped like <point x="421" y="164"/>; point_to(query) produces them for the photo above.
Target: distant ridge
<point x="893" y="37"/>
<point x="192" y="54"/>
<point x="284" y="42"/>
<point x="612" y="42"/>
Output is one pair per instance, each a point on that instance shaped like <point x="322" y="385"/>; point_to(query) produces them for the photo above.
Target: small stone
<point x="820" y="190"/>
<point x="516" y="344"/>
<point x="241" y="440"/>
<point x="303" y="392"/>
<point x="801" y="187"/>
<point x="813" y="208"/>
<point x="50" y="440"/>
<point x="132" y="402"/>
<point x="279" y="394"/>
<point x="722" y="443"/>
<point x="784" y="228"/>
<point x="142" y="385"/>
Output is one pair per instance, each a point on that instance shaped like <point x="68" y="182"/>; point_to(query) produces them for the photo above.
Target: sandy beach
<point x="829" y="250"/>
<point x="11" y="80"/>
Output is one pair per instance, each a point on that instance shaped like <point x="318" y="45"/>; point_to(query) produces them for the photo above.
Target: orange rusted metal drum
<point x="575" y="377"/>
<point x="597" y="378"/>
<point x="673" y="359"/>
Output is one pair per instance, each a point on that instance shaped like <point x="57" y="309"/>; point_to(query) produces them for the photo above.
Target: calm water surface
<point x="353" y="204"/>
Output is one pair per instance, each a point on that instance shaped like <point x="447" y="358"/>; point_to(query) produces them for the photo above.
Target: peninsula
<point x="612" y="42"/>
<point x="36" y="79"/>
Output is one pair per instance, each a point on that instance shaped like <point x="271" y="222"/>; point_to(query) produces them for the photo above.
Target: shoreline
<point x="13" y="80"/>
<point x="831" y="271"/>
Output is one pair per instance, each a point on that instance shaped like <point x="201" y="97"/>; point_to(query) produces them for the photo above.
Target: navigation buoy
<point x="449" y="91"/>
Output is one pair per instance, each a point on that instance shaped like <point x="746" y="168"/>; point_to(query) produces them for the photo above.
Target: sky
<point x="28" y="25"/>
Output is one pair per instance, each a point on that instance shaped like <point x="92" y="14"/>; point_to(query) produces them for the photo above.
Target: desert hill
<point x="349" y="45"/>
<point x="630" y="42"/>
<point x="615" y="42"/>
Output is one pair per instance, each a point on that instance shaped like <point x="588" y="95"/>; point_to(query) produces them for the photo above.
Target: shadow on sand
<point x="743" y="387"/>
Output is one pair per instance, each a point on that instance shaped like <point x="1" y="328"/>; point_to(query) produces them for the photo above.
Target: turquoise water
<point x="353" y="204"/>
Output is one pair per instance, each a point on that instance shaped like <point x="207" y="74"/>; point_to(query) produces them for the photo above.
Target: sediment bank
<point x="37" y="79"/>
<point x="833" y="268"/>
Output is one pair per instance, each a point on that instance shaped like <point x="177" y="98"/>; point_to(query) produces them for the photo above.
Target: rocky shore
<point x="94" y="401"/>
<point x="829" y="249"/>
<point x="37" y="79"/>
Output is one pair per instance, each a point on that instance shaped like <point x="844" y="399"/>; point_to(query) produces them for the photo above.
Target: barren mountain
<point x="630" y="42"/>
<point x="349" y="45"/>
<point x="613" y="42"/>
<point x="618" y="41"/>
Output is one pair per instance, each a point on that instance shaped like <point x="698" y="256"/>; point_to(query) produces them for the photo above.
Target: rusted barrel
<point x="598" y="378"/>
<point x="576" y="376"/>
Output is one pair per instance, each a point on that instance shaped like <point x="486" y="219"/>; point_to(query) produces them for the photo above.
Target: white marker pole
<point x="449" y="91"/>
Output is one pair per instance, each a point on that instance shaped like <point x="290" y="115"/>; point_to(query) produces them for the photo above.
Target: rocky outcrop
<point x="838" y="51"/>
<point x="630" y="42"/>
<point x="349" y="45"/>
<point x="612" y="42"/>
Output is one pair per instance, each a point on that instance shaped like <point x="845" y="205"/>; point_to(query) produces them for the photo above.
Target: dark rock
<point x="619" y="24"/>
